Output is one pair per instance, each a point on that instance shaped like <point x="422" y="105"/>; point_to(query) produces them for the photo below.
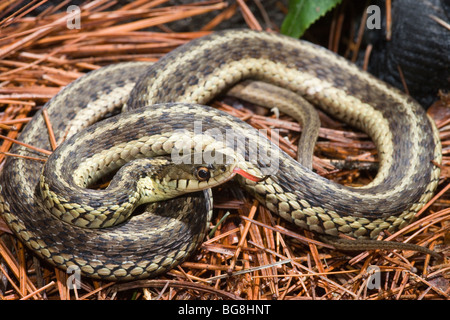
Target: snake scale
<point x="169" y="96"/>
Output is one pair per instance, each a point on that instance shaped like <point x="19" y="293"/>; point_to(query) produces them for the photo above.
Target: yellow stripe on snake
<point x="164" y="105"/>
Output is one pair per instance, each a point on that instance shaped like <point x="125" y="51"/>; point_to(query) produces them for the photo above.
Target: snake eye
<point x="203" y="173"/>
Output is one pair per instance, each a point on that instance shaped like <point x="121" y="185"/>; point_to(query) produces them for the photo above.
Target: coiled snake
<point x="167" y="97"/>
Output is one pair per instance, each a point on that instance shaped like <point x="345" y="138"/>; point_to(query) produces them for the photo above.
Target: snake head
<point x="190" y="173"/>
<point x="195" y="172"/>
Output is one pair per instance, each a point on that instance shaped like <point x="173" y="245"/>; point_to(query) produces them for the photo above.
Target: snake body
<point x="168" y="96"/>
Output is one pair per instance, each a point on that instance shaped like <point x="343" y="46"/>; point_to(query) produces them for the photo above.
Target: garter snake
<point x="168" y="96"/>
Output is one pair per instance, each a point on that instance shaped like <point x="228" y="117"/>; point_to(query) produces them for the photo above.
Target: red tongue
<point x="248" y="176"/>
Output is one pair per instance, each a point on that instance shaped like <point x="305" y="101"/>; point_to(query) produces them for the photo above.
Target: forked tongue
<point x="249" y="176"/>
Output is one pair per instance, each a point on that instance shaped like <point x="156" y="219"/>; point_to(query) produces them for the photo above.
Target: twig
<point x="177" y="284"/>
<point x="288" y="233"/>
<point x="243" y="235"/>
<point x="249" y="18"/>
<point x="22" y="156"/>
<point x="32" y="294"/>
<point x="46" y="152"/>
<point x="388" y="20"/>
<point x="51" y="134"/>
<point x="402" y="78"/>
<point x="440" y="21"/>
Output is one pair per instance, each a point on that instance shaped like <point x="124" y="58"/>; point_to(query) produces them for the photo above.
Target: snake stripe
<point x="169" y="95"/>
<point x="401" y="130"/>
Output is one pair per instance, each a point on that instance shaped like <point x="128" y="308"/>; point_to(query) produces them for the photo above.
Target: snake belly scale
<point x="171" y="93"/>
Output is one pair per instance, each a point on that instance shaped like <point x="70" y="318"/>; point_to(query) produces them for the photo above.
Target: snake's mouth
<point x="249" y="176"/>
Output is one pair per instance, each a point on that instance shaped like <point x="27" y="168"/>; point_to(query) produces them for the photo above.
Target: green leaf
<point x="303" y="13"/>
